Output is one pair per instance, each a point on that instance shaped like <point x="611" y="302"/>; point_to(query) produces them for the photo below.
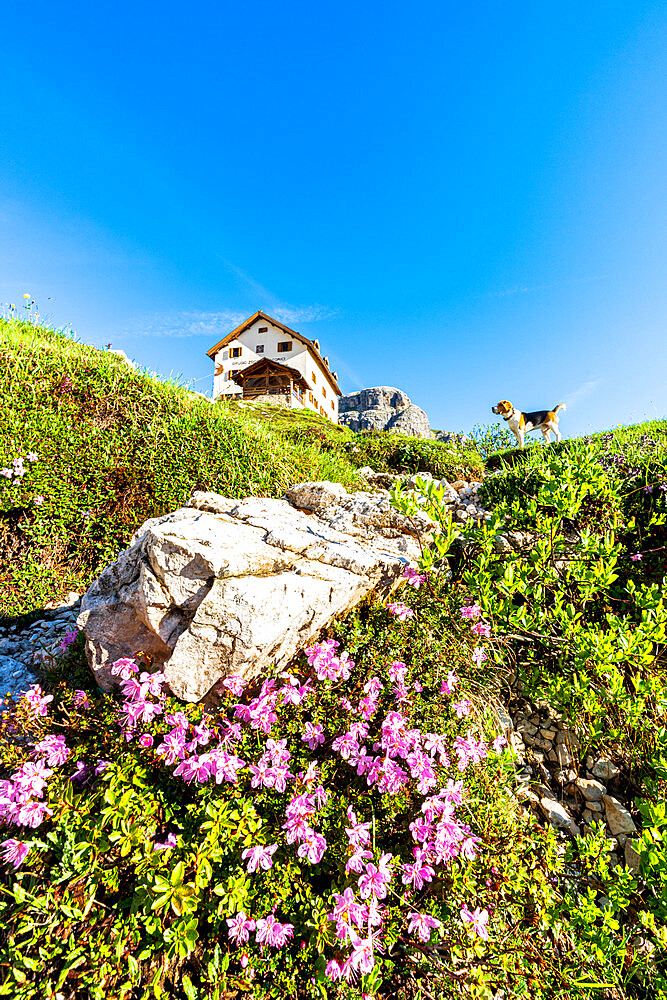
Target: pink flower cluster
<point x="473" y="612"/>
<point x="17" y="470"/>
<point x="328" y="665"/>
<point x="37" y="701"/>
<point x="22" y="796"/>
<point x="392" y="756"/>
<point x="414" y="578"/>
<point x="400" y="611"/>
<point x="68" y="638"/>
<point x="268" y="930"/>
<point x="297" y="826"/>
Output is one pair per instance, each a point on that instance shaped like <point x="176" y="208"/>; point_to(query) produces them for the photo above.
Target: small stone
<point x="564" y="777"/>
<point x="589" y="762"/>
<point x="618" y="818"/>
<point x="604" y="769"/>
<point x="548" y="734"/>
<point x="558" y="816"/>
<point x="564" y="756"/>
<point x="642" y="945"/>
<point x="501" y="544"/>
<point x="591" y="790"/>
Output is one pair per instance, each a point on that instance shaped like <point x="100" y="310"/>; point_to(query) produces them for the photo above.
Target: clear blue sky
<point x="463" y="200"/>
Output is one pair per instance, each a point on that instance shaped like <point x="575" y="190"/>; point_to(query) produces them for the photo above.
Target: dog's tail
<point x="561" y="406"/>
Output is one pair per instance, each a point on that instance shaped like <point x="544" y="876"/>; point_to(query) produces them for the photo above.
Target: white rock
<point x="225" y="586"/>
<point x="558" y="815"/>
<point x="617" y="816"/>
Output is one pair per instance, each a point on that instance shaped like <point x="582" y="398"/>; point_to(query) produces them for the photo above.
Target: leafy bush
<point x="386" y="452"/>
<point x="580" y="620"/>
<point x="490" y="438"/>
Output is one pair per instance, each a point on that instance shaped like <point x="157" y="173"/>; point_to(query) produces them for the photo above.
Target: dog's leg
<point x="546" y="434"/>
<point x="556" y="432"/>
<point x="519" y="436"/>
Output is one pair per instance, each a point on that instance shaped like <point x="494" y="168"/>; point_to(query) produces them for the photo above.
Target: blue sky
<point x="465" y="201"/>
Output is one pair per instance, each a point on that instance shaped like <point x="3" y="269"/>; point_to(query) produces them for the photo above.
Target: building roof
<point x="266" y="363"/>
<point x="286" y="329"/>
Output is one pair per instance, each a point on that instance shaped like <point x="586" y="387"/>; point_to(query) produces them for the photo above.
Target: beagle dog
<point x="519" y="423"/>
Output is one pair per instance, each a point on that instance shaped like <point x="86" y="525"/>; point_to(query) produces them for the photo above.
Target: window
<point x="313" y="377"/>
<point x="332" y="404"/>
<point x="284" y="345"/>
<point x="263" y="329"/>
<point x="225" y="355"/>
<point x="324" y="392"/>
<point x="259" y="349"/>
<point x="235" y="352"/>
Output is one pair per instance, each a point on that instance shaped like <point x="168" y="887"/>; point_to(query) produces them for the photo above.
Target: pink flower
<point x="234" y="685"/>
<point x="373" y="883"/>
<point x="479" y="655"/>
<point x="417" y="874"/>
<point x="14" y="851"/>
<point x="422" y="924"/>
<point x="397" y="670"/>
<point x="333" y="970"/>
<point x="259" y="857"/>
<point x="362" y="959"/>
<point x="357" y="861"/>
<point x="37" y="700"/>
<point x="38" y="500"/>
<point x="270" y="931"/>
<point x="400" y="610"/>
<point x="447" y="687"/>
<point x="414" y="578"/>
<point x="32" y="456"/>
<point x="124" y="668"/>
<point x="68" y="638"/>
<point x="498" y="743"/>
<point x="54" y="749"/>
<point x="146" y="740"/>
<point x="637" y="556"/>
<point x="81" y="700"/>
<point x="194" y="768"/>
<point x="481" y="629"/>
<point x="462" y="708"/>
<point x="478" y="921"/>
<point x="312" y="735"/>
<point x="166" y="845"/>
<point x="240" y="927"/>
<point x="471" y="611"/>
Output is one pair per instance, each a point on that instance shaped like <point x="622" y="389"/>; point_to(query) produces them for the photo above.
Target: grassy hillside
<point x="146" y="873"/>
<point x="116" y="446"/>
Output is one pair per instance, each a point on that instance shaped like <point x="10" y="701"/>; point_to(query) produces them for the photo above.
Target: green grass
<point x="532" y="453"/>
<point x="117" y="446"/>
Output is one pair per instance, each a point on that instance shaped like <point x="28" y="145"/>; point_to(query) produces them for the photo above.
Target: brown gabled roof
<point x="286" y="329"/>
<point x="254" y="369"/>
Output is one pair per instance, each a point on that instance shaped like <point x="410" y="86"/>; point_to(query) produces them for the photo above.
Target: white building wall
<point x="320" y="395"/>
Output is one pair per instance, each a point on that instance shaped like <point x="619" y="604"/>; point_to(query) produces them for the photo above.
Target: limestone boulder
<point x="383" y="408"/>
<point x="225" y="586"/>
